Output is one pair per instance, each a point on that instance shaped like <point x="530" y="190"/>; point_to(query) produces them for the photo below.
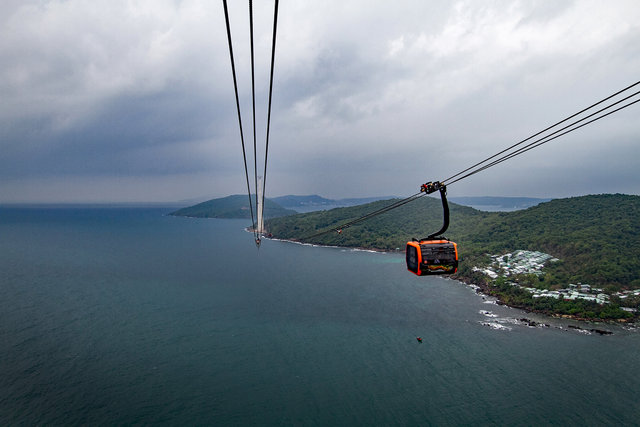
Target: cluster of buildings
<point x="518" y="262"/>
<point x="579" y="291"/>
<point x="627" y="294"/>
<point x="532" y="262"/>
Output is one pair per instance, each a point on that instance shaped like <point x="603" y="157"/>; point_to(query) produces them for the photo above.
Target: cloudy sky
<point x="132" y="100"/>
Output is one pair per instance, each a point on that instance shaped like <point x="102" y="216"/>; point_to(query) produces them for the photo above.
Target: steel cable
<point x="448" y="180"/>
<point x="235" y="86"/>
<point x="273" y="58"/>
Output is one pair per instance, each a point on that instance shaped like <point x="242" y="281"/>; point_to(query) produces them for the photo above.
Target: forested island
<point x="594" y="240"/>
<point x="237" y="206"/>
<point x="230" y="207"/>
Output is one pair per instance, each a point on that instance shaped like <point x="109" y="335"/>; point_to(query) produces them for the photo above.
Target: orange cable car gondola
<point x="434" y="254"/>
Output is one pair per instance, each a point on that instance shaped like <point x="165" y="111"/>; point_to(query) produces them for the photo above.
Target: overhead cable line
<point x="235" y="86"/>
<point x="273" y="59"/>
<point x="550" y="137"/>
<point x="253" y="97"/>
<point x="449" y="180"/>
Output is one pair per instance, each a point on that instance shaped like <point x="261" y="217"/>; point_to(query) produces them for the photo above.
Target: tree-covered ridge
<point x="595" y="237"/>
<point x="315" y="202"/>
<point x="236" y="206"/>
<point x="499" y="203"/>
<point x="386" y="232"/>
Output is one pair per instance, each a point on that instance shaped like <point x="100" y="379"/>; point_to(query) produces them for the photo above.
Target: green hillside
<point x="236" y="206"/>
<point x="387" y="232"/>
<point x="597" y="238"/>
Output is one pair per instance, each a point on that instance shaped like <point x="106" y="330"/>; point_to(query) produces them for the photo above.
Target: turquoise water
<point x="128" y="316"/>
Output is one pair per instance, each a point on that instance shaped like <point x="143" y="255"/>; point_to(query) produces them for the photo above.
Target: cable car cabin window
<point x="432" y="257"/>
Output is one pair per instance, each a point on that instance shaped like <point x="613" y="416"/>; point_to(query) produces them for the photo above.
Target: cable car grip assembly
<point x="432" y="187"/>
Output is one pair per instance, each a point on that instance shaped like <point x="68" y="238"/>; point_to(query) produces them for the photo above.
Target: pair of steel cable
<point x="260" y="206"/>
<point x="380" y="211"/>
<point x="508" y="153"/>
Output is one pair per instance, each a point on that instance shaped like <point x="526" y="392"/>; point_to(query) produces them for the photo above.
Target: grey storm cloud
<point x="133" y="100"/>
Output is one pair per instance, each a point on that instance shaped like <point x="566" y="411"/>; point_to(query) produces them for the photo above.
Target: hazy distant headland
<point x="235" y="206"/>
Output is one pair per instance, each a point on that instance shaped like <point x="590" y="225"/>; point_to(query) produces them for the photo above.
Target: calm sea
<point x="129" y="316"/>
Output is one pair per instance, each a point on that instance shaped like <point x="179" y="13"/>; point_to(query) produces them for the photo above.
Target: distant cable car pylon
<point x="260" y="198"/>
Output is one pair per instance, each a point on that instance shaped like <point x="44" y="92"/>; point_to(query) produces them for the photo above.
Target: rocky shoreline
<point x="485" y="290"/>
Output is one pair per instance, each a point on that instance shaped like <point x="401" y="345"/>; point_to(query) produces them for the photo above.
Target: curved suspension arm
<point x="432" y="187"/>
